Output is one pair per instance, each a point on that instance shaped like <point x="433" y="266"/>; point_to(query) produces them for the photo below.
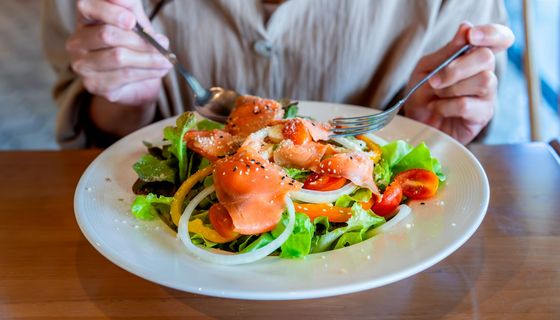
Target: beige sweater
<point x="352" y="51"/>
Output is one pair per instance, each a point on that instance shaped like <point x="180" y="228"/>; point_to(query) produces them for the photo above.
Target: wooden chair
<point x="531" y="72"/>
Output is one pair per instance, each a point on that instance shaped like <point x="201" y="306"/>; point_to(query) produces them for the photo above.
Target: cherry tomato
<point x="323" y="182"/>
<point x="390" y="200"/>
<point x="295" y="130"/>
<point x="314" y="210"/>
<point x="418" y="184"/>
<point x="221" y="221"/>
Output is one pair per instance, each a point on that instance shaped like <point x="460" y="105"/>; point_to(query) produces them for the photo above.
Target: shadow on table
<point x="449" y="287"/>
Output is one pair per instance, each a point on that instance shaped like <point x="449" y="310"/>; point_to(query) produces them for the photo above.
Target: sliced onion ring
<point x="312" y="196"/>
<point x="404" y="211"/>
<point x="223" y="257"/>
<point x="349" y="144"/>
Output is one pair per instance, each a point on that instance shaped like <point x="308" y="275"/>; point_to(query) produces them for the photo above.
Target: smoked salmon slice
<point x="212" y="144"/>
<point x="355" y="166"/>
<point x="252" y="114"/>
<point x="302" y="156"/>
<point x="252" y="189"/>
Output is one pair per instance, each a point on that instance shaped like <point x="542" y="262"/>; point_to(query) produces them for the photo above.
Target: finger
<point x="133" y="94"/>
<point x="101" y="11"/>
<point x="494" y="36"/>
<point x="432" y="60"/>
<point x="106" y="36"/>
<point x="471" y="109"/>
<point x="103" y="83"/>
<point x="482" y="85"/>
<point x="138" y="9"/>
<point x="473" y="62"/>
<point x="117" y="58"/>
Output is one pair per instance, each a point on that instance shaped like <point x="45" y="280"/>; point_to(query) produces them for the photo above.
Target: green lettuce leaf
<point x="298" y="243"/>
<point x="393" y="152"/>
<point x="291" y="111"/>
<point x="178" y="147"/>
<point x="207" y="124"/>
<point x="360" y="195"/>
<point x="260" y="242"/>
<point x="400" y="156"/>
<point x="361" y="221"/>
<point x="382" y="174"/>
<point x="146" y="207"/>
<point x="151" y="169"/>
<point x="297" y="174"/>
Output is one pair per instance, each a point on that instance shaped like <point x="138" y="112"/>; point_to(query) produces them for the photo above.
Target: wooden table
<point x="510" y="268"/>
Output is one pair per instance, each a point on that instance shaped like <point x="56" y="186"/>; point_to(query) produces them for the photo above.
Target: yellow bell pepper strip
<point x="179" y="196"/>
<point x="196" y="226"/>
<point x="374" y="147"/>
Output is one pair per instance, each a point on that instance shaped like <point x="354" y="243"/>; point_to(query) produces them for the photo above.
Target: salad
<point x="269" y="182"/>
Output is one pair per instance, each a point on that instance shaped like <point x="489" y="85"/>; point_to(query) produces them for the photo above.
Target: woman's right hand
<point x="114" y="62"/>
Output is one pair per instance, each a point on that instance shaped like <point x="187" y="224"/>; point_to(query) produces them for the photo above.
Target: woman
<point x="110" y="82"/>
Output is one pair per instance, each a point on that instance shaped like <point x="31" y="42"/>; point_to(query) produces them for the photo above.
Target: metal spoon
<point x="214" y="103"/>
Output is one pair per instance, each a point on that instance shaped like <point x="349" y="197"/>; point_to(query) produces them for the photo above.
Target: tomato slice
<point x="315" y="210"/>
<point x="323" y="182"/>
<point x="418" y="184"/>
<point x="221" y="221"/>
<point x="390" y="200"/>
<point x="295" y="130"/>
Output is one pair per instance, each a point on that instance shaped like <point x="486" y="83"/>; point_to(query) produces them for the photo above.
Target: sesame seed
<point x="324" y="210"/>
<point x="223" y="173"/>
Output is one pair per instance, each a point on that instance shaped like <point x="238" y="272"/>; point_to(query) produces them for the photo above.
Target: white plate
<point x="150" y="250"/>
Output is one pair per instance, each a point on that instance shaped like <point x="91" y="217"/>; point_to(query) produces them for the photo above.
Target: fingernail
<point x="476" y="35"/>
<point x="435" y="82"/>
<point x="125" y="20"/>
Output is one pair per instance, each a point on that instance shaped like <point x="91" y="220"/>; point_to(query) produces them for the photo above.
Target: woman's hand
<point x="114" y="62"/>
<point x="459" y="100"/>
<point x="121" y="70"/>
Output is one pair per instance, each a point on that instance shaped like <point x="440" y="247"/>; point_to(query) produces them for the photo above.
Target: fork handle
<point x="200" y="93"/>
<point x="444" y="64"/>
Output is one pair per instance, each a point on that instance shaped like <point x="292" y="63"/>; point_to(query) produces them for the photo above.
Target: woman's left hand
<point x="459" y="100"/>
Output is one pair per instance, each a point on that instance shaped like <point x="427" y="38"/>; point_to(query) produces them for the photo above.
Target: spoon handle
<point x="201" y="94"/>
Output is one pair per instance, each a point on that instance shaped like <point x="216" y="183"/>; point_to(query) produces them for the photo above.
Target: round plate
<point x="150" y="250"/>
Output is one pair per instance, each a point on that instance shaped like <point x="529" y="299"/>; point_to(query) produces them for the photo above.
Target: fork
<point x="352" y="126"/>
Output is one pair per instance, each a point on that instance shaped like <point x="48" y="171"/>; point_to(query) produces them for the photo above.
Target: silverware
<point x="359" y="125"/>
<point x="214" y="103"/>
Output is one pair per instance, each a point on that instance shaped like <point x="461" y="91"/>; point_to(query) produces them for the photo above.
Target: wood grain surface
<point x="510" y="268"/>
